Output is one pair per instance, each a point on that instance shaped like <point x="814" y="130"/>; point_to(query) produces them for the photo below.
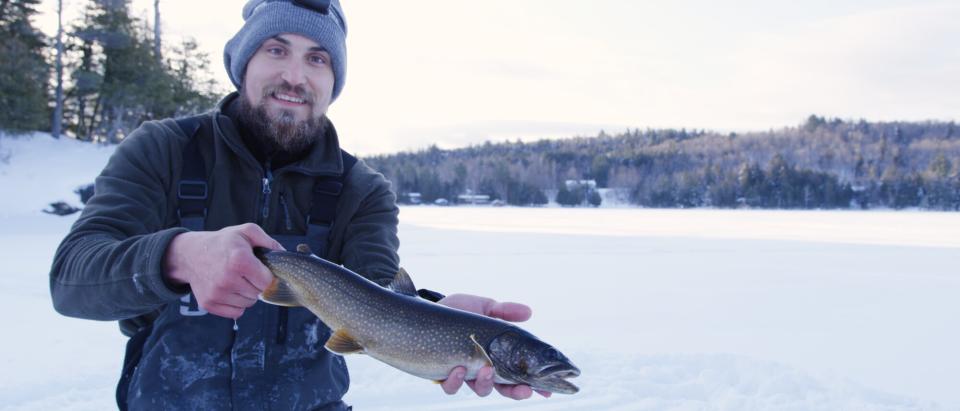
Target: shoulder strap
<point x="192" y="189"/>
<point x="326" y="192"/>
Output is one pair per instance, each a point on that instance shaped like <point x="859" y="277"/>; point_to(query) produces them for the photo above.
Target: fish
<point x="414" y="335"/>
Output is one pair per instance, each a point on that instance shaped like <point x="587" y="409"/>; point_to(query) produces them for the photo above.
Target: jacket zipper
<point x="281" y="337"/>
<point x="267" y="180"/>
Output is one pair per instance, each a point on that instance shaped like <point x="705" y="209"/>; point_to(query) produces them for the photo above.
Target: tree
<point x="831" y="164"/>
<point x="57" y="123"/>
<point x="24" y="74"/>
<point x="120" y="80"/>
<point x="568" y="198"/>
<point x="600" y="170"/>
<point x="594" y="198"/>
<point x="157" y="50"/>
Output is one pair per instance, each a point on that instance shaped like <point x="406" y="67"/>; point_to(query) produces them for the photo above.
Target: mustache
<point x="286" y="88"/>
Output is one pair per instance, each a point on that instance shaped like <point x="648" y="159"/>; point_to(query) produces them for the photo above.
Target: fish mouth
<point x="553" y="378"/>
<point x="561" y="371"/>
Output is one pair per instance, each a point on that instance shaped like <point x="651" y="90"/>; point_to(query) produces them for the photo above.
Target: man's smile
<point x="287" y="99"/>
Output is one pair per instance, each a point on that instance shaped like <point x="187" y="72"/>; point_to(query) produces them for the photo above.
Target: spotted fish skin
<point x="414" y="335"/>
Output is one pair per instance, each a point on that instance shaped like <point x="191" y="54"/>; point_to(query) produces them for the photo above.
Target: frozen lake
<point x="693" y="308"/>
<point x="736" y="317"/>
<point x="661" y="309"/>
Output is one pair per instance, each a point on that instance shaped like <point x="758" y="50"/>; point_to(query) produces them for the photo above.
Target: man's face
<point x="289" y="81"/>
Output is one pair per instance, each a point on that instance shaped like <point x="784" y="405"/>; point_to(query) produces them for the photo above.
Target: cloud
<point x="893" y="63"/>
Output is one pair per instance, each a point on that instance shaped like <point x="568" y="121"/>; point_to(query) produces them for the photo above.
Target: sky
<point x="456" y="72"/>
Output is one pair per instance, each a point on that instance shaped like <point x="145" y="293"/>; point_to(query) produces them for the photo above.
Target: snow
<point x="661" y="309"/>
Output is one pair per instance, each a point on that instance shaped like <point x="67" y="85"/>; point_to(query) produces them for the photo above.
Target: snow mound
<point x="37" y="170"/>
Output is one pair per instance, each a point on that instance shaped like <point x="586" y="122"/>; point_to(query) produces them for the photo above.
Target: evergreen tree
<point x="24" y="74"/>
<point x="594" y="198"/>
<point x="825" y="163"/>
<point x="57" y="121"/>
<point x="567" y="197"/>
<point x="119" y="81"/>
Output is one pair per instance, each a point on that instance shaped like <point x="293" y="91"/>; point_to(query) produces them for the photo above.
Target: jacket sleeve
<point x="109" y="266"/>
<point x="369" y="238"/>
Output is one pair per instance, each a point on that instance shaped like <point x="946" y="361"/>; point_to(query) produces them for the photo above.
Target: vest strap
<point x="192" y="190"/>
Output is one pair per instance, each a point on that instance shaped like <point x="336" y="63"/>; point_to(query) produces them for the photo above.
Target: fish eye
<point x="551" y="353"/>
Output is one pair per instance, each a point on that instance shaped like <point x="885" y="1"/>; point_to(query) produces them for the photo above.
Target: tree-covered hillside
<point x="823" y="163"/>
<point x="100" y="77"/>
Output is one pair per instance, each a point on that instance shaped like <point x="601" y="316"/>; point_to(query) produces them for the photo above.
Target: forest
<point x="100" y="76"/>
<point x="819" y="164"/>
<point x="106" y="72"/>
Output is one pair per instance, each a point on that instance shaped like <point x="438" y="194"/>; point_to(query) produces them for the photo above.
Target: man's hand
<point x="220" y="267"/>
<point x="484" y="384"/>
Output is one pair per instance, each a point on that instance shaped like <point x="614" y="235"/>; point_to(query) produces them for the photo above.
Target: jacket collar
<point x="324" y="157"/>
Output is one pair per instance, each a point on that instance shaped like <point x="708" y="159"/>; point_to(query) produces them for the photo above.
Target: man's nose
<point x="294" y="73"/>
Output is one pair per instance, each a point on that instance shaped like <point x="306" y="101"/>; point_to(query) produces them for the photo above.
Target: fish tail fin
<point x="280" y="293"/>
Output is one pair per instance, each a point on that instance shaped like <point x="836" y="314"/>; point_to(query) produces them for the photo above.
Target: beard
<point x="282" y="132"/>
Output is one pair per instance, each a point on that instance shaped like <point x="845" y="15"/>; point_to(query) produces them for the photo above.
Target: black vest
<point x="270" y="358"/>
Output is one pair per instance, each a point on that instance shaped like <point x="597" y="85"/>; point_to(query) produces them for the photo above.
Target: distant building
<point x="590" y="185"/>
<point x="481" y="199"/>
<point x="412" y="198"/>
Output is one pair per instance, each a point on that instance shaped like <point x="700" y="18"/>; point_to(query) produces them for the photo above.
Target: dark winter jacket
<point x="109" y="267"/>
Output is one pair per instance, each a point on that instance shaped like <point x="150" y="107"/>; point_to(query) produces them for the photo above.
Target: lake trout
<point x="414" y="335"/>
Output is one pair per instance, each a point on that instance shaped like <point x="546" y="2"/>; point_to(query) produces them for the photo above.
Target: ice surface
<point x="661" y="309"/>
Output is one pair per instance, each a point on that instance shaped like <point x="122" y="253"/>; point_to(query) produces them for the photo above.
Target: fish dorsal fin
<point x="341" y="342"/>
<point x="279" y="293"/>
<point x="480" y="350"/>
<point x="403" y="284"/>
<point x="304" y="249"/>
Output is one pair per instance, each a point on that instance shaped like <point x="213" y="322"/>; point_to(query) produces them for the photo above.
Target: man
<point x="165" y="244"/>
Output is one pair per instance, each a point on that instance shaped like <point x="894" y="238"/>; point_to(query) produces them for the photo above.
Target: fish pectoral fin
<point x="279" y="293"/>
<point x="341" y="342"/>
<point x="403" y="284"/>
<point x="304" y="249"/>
<point x="480" y="350"/>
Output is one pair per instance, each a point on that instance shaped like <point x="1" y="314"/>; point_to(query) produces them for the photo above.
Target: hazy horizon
<point x="455" y="73"/>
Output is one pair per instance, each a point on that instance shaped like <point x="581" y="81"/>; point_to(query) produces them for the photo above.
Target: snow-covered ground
<point x="661" y="309"/>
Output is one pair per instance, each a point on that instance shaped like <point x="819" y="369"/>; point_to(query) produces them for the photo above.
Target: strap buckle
<point x="192" y="190"/>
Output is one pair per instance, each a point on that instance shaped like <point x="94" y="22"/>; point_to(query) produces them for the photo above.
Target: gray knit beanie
<point x="319" y="20"/>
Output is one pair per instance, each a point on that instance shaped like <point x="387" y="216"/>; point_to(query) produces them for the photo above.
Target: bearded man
<point x="165" y="243"/>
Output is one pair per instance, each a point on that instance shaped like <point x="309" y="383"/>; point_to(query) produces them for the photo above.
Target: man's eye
<point x="276" y="51"/>
<point x="318" y="60"/>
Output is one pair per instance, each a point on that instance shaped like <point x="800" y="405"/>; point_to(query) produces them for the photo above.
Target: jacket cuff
<point x="156" y="281"/>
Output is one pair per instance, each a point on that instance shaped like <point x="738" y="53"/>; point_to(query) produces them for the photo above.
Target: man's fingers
<point x="227" y="299"/>
<point x="545" y="394"/>
<point x="483" y="385"/>
<point x="237" y="300"/>
<point x="257" y="237"/>
<point x="515" y="312"/>
<point x="258" y="276"/>
<point x="453" y="382"/>
<point x="251" y="269"/>
<point x="517" y="392"/>
<point x="247" y="263"/>
<point x="248" y="290"/>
